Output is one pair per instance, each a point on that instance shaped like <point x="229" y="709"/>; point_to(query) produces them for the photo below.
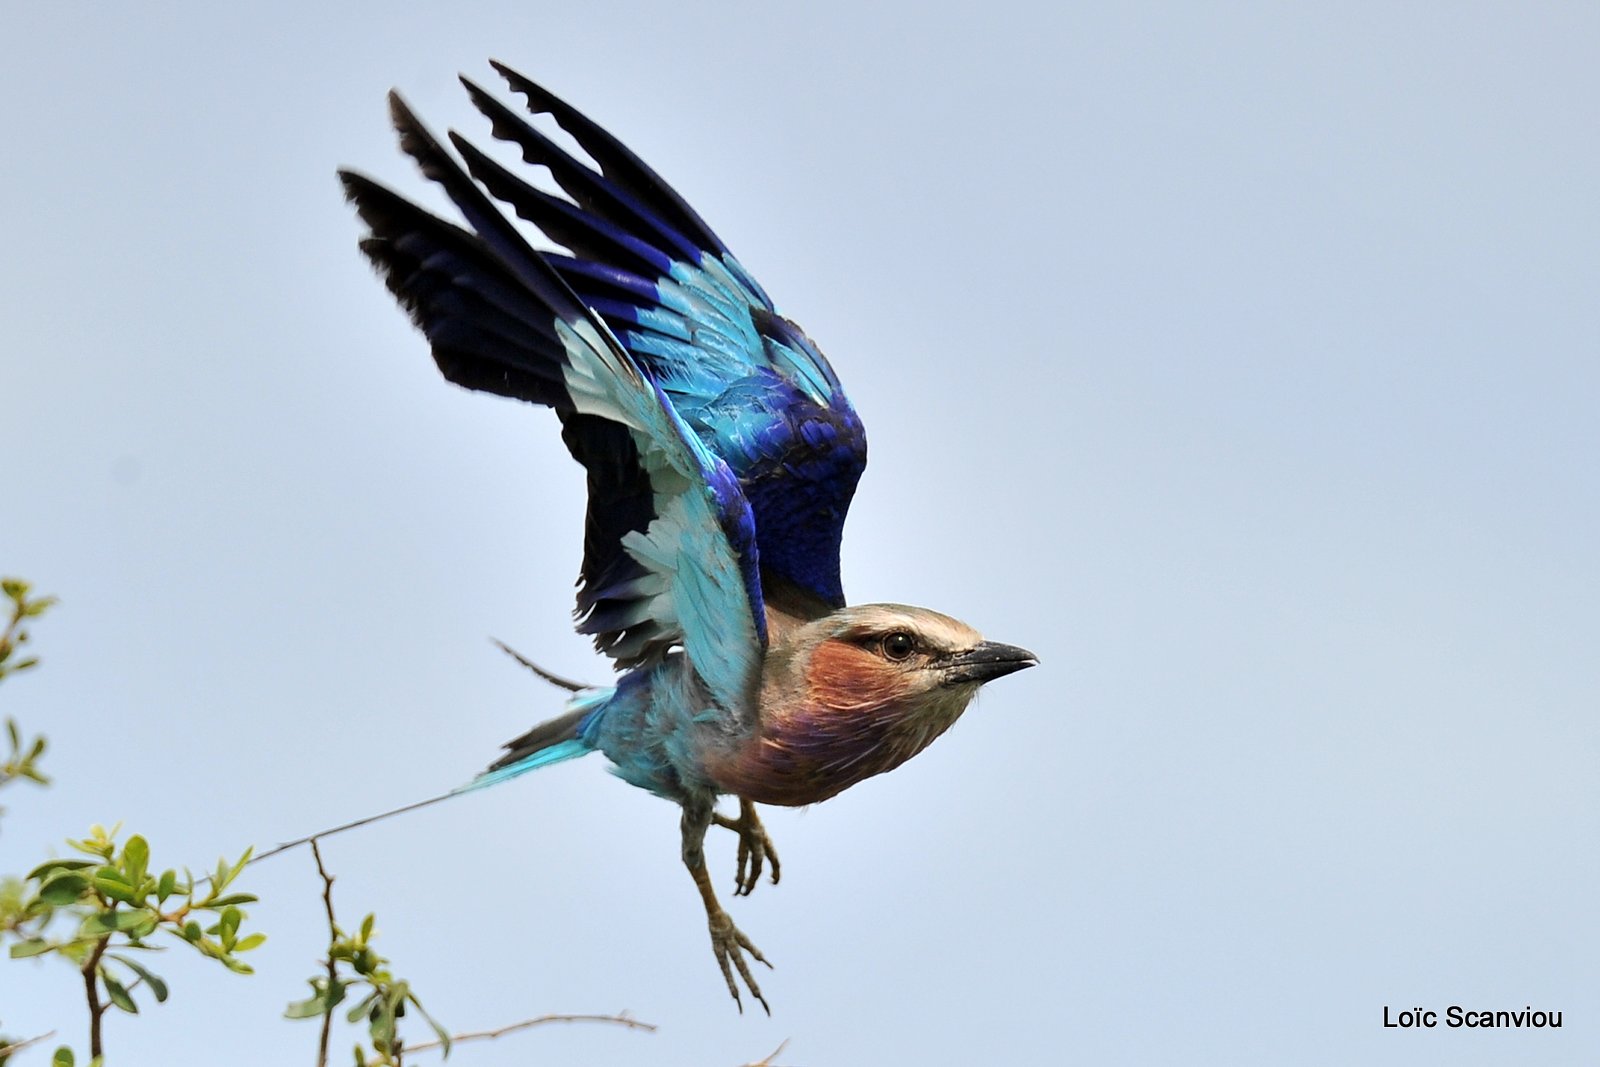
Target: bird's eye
<point x="899" y="645"/>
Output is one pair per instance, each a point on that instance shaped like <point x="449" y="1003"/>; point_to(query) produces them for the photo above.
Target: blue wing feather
<point x="721" y="450"/>
<point x="670" y="552"/>
<point x="747" y="381"/>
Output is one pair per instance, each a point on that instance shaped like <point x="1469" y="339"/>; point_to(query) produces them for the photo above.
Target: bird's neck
<point x="810" y="745"/>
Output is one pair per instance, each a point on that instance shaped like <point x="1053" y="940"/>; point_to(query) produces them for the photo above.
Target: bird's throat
<point x="812" y="753"/>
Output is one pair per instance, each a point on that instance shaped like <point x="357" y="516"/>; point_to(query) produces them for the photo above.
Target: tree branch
<point x="554" y="679"/>
<point x="774" y="1054"/>
<point x="11" y="1049"/>
<point x="333" y="936"/>
<point x="312" y="838"/>
<point x="91" y="991"/>
<point x="621" y="1019"/>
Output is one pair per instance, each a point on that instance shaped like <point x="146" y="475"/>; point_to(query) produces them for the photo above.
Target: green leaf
<point x="102" y="923"/>
<point x="138" y="923"/>
<point x="231" y="899"/>
<point x="157" y="986"/>
<point x="327" y="998"/>
<point x="98" y="843"/>
<point x="63" y="888"/>
<point x="62" y="1057"/>
<point x="248" y="943"/>
<point x="136" y="858"/>
<point x="359" y="1012"/>
<point x="38" y="873"/>
<point x="117" y="993"/>
<point x="110" y="883"/>
<point x="381" y="1027"/>
<point x="24" y="949"/>
<point x="309" y="1008"/>
<point x="236" y="966"/>
<point x="440" y="1031"/>
<point x="98" y="925"/>
<point x="167" y="885"/>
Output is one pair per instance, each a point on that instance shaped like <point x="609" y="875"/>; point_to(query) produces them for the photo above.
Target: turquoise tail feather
<point x="557" y="753"/>
<point x="567" y="737"/>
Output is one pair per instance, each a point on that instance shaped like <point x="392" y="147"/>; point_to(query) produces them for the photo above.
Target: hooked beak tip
<point x="987" y="662"/>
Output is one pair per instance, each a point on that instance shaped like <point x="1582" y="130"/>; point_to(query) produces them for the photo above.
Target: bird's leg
<point x="727" y="942"/>
<point x="755" y="847"/>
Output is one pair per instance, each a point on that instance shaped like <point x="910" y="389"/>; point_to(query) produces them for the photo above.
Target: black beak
<point x="985" y="663"/>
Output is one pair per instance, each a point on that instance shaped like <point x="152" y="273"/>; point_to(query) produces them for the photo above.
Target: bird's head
<point x="873" y="656"/>
<point x="863" y="689"/>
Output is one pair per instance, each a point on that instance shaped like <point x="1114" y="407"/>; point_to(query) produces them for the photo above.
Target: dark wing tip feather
<point x="485" y="331"/>
<point x="380" y="207"/>
<point x="617" y="161"/>
<point x="420" y="145"/>
<point x="586" y="234"/>
<point x="589" y="189"/>
<point x="350" y="181"/>
<point x="484" y="216"/>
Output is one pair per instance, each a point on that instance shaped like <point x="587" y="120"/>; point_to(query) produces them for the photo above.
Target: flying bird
<point x="721" y="454"/>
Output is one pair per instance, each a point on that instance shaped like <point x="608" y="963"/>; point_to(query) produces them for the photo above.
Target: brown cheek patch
<point x="842" y="675"/>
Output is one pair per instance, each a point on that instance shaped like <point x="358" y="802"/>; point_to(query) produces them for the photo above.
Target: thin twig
<point x="767" y="1061"/>
<point x="550" y="676"/>
<point x="91" y="991"/>
<point x="554" y="679"/>
<point x="333" y="936"/>
<point x="7" y="1050"/>
<point x="310" y="838"/>
<point x="622" y="1019"/>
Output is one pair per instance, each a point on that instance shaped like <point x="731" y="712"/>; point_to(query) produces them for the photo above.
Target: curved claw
<point x="755" y="848"/>
<point x="730" y="944"/>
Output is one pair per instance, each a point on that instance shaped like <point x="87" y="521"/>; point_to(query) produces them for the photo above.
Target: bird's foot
<point x="730" y="945"/>
<point x="755" y="847"/>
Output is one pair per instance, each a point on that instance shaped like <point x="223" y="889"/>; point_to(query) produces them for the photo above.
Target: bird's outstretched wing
<point x="670" y="554"/>
<point x="753" y="387"/>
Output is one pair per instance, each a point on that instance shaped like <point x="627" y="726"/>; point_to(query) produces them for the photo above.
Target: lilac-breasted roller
<point x="721" y="455"/>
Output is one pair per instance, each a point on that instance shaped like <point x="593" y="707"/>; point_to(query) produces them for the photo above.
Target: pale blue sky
<point x="1238" y="359"/>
